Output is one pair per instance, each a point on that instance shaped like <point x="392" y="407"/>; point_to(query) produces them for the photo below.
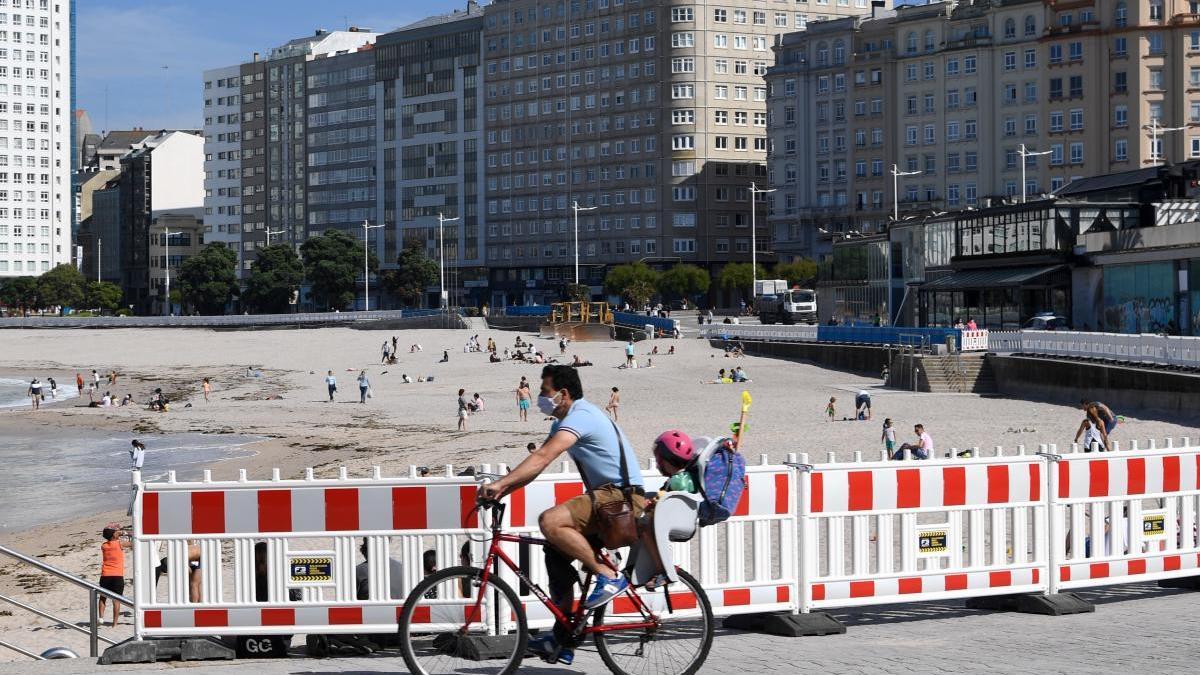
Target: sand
<point x="415" y="424"/>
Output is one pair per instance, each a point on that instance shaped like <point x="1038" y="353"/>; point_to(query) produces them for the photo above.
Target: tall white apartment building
<point x="35" y="136"/>
<point x="223" y="158"/>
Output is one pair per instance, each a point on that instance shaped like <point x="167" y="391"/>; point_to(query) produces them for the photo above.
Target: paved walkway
<point x="1135" y="629"/>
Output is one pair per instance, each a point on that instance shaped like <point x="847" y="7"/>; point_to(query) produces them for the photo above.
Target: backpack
<point x="722" y="480"/>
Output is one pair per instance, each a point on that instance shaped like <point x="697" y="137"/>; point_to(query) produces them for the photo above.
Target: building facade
<point x="222" y="157"/>
<point x="36" y="81"/>
<point x="174" y="237"/>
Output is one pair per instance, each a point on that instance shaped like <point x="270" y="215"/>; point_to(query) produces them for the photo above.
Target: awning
<point x="990" y="278"/>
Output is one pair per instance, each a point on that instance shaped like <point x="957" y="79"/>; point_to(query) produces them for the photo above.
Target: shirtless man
<point x="1098" y="414"/>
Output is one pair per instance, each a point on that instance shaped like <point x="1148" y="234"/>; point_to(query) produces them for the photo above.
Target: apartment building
<point x="36" y="202"/>
<point x="977" y="102"/>
<point x="430" y="83"/>
<point x="650" y="114"/>
<point x="222" y="157"/>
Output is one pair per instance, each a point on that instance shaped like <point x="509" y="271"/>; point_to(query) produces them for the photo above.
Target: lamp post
<point x="98" y="242"/>
<point x="896" y="174"/>
<point x="1155" y="130"/>
<point x="167" y="264"/>
<point x="442" y="220"/>
<point x="754" y="192"/>
<point x="1026" y="153"/>
<point x="577" y="208"/>
<point x="366" y="266"/>
<point x="271" y="232"/>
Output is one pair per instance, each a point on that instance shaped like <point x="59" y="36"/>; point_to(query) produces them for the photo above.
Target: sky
<point x="139" y="62"/>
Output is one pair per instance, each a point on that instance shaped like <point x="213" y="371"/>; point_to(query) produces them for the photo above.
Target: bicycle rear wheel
<point x="442" y="630"/>
<point x="680" y="644"/>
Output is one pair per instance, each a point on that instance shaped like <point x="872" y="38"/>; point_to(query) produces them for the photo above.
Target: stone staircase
<point x="943" y="374"/>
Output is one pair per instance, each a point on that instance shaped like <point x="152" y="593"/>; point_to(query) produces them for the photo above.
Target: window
<point x="1030" y="26"/>
<point x="683" y="142"/>
<point x="1120" y="46"/>
<point x="1010" y="28"/>
<point x="1154" y="41"/>
<point x="1121" y="150"/>
<point x="1075" y="51"/>
<point x="1031" y="58"/>
<point x="1010" y="61"/>
<point x="1121" y="15"/>
<point x="1156" y="78"/>
<point x="682" y="14"/>
<point x="1076" y="117"/>
<point x="1077" y="153"/>
<point x="1121" y="116"/>
<point x="1076" y="86"/>
<point x="951" y="67"/>
<point x="970" y="65"/>
<point x="1155" y="108"/>
<point x="1120" y="82"/>
<point x="1156" y="10"/>
<point x="683" y="116"/>
<point x="1056" y="54"/>
<point x="683" y="245"/>
<point x="1056" y="154"/>
<point x="1056" y="121"/>
<point x="683" y="40"/>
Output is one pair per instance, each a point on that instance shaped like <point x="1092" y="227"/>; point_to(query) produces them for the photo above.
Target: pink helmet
<point x="676" y="445"/>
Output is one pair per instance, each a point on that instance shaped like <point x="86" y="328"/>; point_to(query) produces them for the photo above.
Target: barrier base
<point x="1187" y="583"/>
<point x="1057" y="604"/>
<point x="162" y="649"/>
<point x="786" y="625"/>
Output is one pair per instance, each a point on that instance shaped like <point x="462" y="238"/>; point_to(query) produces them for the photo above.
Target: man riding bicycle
<point x="596" y="445"/>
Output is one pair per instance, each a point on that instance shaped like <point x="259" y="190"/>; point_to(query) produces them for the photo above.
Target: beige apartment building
<point x="958" y="95"/>
<point x="650" y="115"/>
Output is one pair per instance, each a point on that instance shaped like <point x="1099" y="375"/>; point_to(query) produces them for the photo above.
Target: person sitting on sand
<point x="107" y="401"/>
<point x="578" y="363"/>
<point x="476" y="403"/>
<point x="445" y="357"/>
<point x="671" y="351"/>
<point x="654" y="352"/>
<point x="158" y="401"/>
<point x="492" y="358"/>
<point x="127" y="400"/>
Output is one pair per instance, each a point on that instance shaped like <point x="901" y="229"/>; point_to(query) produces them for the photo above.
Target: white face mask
<point x="547" y="405"/>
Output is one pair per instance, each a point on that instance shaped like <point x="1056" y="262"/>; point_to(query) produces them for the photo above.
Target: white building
<point x="222" y="158"/>
<point x="35" y="136"/>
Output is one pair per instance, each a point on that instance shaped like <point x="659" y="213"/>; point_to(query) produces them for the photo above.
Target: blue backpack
<point x="723" y="478"/>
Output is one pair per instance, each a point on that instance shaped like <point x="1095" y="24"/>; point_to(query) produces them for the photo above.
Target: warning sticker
<point x="1154" y="524"/>
<point x="312" y="569"/>
<point x="931" y="542"/>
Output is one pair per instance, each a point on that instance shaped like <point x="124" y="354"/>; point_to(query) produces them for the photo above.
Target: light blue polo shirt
<point x="596" y="450"/>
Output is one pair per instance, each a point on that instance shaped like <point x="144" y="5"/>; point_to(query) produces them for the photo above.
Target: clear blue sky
<point x="124" y="44"/>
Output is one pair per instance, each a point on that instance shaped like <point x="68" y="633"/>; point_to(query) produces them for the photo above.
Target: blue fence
<point x="872" y="335"/>
<point x="635" y="320"/>
<point x="527" y="310"/>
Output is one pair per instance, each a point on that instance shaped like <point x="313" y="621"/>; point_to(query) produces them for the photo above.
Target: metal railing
<point x="218" y="321"/>
<point x="94" y="593"/>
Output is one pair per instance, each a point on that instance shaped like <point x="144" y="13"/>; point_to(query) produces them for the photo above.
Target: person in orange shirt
<point x="112" y="569"/>
<point x="79" y="383"/>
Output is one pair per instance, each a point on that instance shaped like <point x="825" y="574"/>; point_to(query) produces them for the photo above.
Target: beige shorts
<point x="583" y="514"/>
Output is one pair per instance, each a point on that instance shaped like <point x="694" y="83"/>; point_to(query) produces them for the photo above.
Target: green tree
<point x="685" y="281"/>
<point x="414" y="273"/>
<point x="578" y="292"/>
<point x="274" y="275"/>
<point x="332" y="263"/>
<point x="739" y="277"/>
<point x="208" y="279"/>
<point x="22" y="293"/>
<point x="639" y="292"/>
<point x="802" y="272"/>
<point x="103" y="295"/>
<point x="621" y="278"/>
<point x="62" y="287"/>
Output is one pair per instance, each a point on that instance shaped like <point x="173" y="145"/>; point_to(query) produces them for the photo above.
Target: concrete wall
<point x="857" y="359"/>
<point x="178" y="175"/>
<point x="1118" y="386"/>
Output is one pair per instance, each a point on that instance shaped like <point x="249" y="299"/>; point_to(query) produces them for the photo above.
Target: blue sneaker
<point x="605" y="590"/>
<point x="546" y="648"/>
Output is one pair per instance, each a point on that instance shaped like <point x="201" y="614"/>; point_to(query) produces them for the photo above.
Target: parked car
<point x="1047" y="321"/>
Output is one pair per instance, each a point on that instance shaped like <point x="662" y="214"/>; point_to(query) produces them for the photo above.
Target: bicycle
<point x="462" y="618"/>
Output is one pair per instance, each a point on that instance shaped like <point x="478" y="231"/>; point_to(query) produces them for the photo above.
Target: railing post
<point x="94" y="623"/>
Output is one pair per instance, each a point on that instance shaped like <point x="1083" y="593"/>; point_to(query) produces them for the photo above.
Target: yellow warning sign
<point x="308" y="570"/>
<point x="1154" y="525"/>
<point x="931" y="541"/>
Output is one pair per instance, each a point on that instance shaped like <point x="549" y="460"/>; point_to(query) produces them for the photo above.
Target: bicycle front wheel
<point x="451" y="623"/>
<point x="678" y="646"/>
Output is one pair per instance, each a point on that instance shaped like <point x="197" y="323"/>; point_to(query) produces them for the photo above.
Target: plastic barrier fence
<point x="869" y="335"/>
<point x="1143" y="349"/>
<point x="760" y="333"/>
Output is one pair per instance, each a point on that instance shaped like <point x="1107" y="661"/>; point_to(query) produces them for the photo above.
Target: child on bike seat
<point x="675" y="457"/>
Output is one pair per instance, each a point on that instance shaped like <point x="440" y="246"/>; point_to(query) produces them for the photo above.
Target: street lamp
<point x="442" y="220"/>
<point x="271" y="232"/>
<point x="366" y="266"/>
<point x="896" y="174"/>
<point x="754" y="236"/>
<point x="98" y="242"/>
<point x="1026" y="153"/>
<point x="577" y="208"/>
<point x="167" y="263"/>
<point x="1155" y="130"/>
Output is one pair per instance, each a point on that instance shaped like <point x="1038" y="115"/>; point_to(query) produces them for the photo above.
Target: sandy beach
<point x="407" y="424"/>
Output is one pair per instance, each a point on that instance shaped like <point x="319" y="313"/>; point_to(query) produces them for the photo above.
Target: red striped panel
<point x="684" y="601"/>
<point x="817" y="498"/>
<point x="954" y="486"/>
<point x="341" y="509"/>
<point x="466" y="505"/>
<point x="910" y="586"/>
<point x="743" y="505"/>
<point x="566" y="491"/>
<point x="516" y="508"/>
<point x="1003" y="578"/>
<point x="472" y="613"/>
<point x="736" y="596"/>
<point x="861" y="496"/>
<point x="274" y="510"/>
<point x="409" y="510"/>
<point x="278" y="617"/>
<point x="818" y="592"/>
<point x="782" y="496"/>
<point x="1035" y="483"/>
<point x="153" y="617"/>
<point x="1170" y="474"/>
<point x="1098" y="571"/>
<point x="862" y="589"/>
<point x="956" y="582"/>
<point x="211" y="618"/>
<point x="1135" y="476"/>
<point x="150" y="513"/>
<point x="421" y="614"/>
<point x="1064" y="480"/>
<point x="997" y="484"/>
<point x="208" y="512"/>
<point x="1064" y="573"/>
<point x="624" y="605"/>
<point x="1098" y="478"/>
<point x="783" y="593"/>
<point x="345" y="616"/>
<point x="908" y="488"/>
<point x="1037" y="575"/>
<point x="1172" y="563"/>
<point x="1136" y="567"/>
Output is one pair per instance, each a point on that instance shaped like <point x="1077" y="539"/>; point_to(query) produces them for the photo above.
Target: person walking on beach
<point x="331" y="382"/>
<point x="95" y="379"/>
<point x="889" y="436"/>
<point x="629" y="354"/>
<point x="112" y="570"/>
<point x="614" y="403"/>
<point x="463" y="410"/>
<point x="79" y="383"/>
<point x="53" y="388"/>
<point x="831" y="409"/>
<point x="384" y="349"/>
<point x="394" y="341"/>
<point x="35" y="393"/>
<point x="524" y="399"/>
<point x="207" y="387"/>
<point x="364" y="386"/>
<point x="137" y="454"/>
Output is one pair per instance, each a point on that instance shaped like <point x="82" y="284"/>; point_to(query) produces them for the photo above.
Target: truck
<point x="786" y="305"/>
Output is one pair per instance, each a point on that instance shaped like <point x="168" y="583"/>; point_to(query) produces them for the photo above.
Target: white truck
<point x="779" y="304"/>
